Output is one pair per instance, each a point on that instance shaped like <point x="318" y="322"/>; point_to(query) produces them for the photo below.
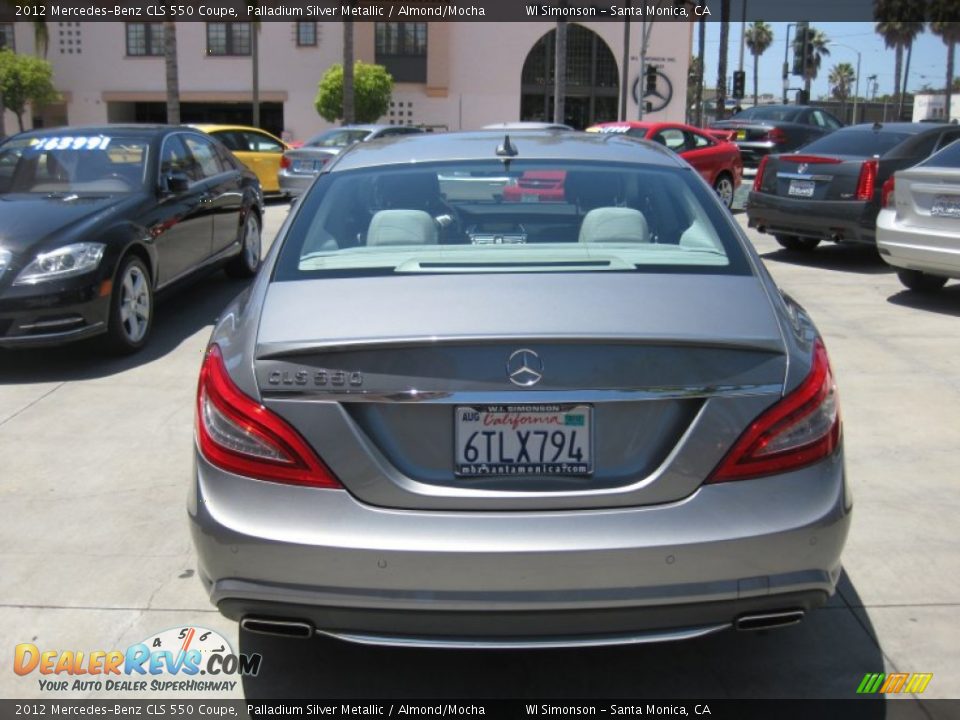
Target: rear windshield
<point x="73" y="163"/>
<point x="949" y="157"/>
<point x="337" y="138"/>
<point x="768" y="113"/>
<point x="865" y="143"/>
<point x="533" y="217"/>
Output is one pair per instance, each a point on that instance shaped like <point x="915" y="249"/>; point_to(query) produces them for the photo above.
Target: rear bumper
<point x="836" y="221"/>
<point x="913" y="248"/>
<point x="355" y="570"/>
<point x="294" y="184"/>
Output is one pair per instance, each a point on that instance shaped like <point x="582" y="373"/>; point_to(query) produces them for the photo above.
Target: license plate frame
<point x="801" y="188"/>
<point x="500" y="454"/>
<point x="305" y="166"/>
<point x="945" y="206"/>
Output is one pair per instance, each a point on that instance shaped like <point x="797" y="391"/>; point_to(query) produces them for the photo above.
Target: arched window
<point x="592" y="87"/>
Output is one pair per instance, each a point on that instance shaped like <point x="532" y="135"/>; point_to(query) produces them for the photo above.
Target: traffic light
<point x="739" y="84"/>
<point x="651" y="79"/>
<point x="800" y="48"/>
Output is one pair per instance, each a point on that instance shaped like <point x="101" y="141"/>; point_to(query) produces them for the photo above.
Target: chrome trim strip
<point x="66" y="335"/>
<point x="51" y="323"/>
<point x="799" y="176"/>
<point x="454" y="643"/>
<point x="515" y="397"/>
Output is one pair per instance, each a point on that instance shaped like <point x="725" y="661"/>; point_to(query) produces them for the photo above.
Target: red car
<point x="536" y="186"/>
<point x="716" y="159"/>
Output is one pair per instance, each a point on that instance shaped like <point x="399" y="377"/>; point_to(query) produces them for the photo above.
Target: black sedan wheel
<point x="921" y="282"/>
<point x="792" y="242"/>
<point x="724" y="189"/>
<point x="131" y="307"/>
<point x="245" y="265"/>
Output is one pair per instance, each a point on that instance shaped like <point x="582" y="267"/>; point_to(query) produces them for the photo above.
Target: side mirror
<point x="177" y="183"/>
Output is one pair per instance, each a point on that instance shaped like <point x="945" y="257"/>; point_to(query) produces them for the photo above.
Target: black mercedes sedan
<point x="95" y="220"/>
<point x="832" y="189"/>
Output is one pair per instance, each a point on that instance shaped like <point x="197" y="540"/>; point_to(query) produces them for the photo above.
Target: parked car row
<point x="841" y="188"/>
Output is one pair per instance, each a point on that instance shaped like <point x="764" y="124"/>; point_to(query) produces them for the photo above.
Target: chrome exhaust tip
<point x="767" y="621"/>
<point x="281" y="628"/>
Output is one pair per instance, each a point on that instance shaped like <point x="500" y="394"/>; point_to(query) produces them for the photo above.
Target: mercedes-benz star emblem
<point x="524" y="368"/>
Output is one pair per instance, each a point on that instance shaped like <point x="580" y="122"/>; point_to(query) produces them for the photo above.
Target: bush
<point x="372" y="86"/>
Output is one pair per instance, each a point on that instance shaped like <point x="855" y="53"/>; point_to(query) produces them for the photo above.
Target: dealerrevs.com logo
<point x="179" y="659"/>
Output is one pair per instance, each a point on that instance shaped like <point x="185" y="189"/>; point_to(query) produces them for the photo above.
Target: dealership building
<point x="448" y="75"/>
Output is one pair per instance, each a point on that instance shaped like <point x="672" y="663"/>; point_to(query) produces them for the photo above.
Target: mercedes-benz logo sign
<point x="658" y="98"/>
<point x="524" y="368"/>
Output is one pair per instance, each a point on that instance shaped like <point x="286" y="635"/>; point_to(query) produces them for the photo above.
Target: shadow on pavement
<point x="824" y="657"/>
<point x="832" y="256"/>
<point x="945" y="302"/>
<point x="179" y="314"/>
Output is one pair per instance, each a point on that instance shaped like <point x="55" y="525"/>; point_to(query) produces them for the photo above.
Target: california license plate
<point x="523" y="440"/>
<point x="801" y="188"/>
<point x="946" y="206"/>
<point x="305" y="166"/>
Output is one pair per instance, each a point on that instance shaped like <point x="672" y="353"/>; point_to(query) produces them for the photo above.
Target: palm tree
<point x="349" y="112"/>
<point x="41" y="37"/>
<point x="173" y="77"/>
<point x="759" y="37"/>
<point x="722" y="64"/>
<point x="841" y="80"/>
<point x="941" y="12"/>
<point x="818" y="41"/>
<point x="896" y="24"/>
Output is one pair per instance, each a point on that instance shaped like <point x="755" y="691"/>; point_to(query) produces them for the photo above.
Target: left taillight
<point x="284" y="162"/>
<point x="886" y="192"/>
<point x="867" y="181"/>
<point x="241" y="436"/>
<point x="799" y="430"/>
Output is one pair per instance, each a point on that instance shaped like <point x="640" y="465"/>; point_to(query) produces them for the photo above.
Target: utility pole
<point x="786" y="66"/>
<point x="743" y="31"/>
<point x="625" y="65"/>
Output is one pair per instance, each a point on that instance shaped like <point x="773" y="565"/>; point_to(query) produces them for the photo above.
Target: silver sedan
<point x="439" y="418"/>
<point x="917" y="228"/>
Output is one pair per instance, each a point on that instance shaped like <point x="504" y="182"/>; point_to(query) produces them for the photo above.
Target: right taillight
<point x="758" y="178"/>
<point x="799" y="430"/>
<point x="284" y="162"/>
<point x="886" y="193"/>
<point x="775" y="135"/>
<point x="241" y="436"/>
<point x="867" y="180"/>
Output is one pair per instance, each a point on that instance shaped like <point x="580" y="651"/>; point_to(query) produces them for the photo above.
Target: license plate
<point x="305" y="166"/>
<point x="741" y="134"/>
<point x="801" y="188"/>
<point x="523" y="440"/>
<point x="946" y="206"/>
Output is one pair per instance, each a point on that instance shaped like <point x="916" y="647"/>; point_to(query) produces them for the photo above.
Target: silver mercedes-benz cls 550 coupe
<point x="442" y="418"/>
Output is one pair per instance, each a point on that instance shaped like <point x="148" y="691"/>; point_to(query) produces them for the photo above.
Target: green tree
<point x="818" y="40"/>
<point x="897" y="24"/>
<point x="941" y="13"/>
<point x="841" y="80"/>
<point x="759" y="37"/>
<point x="372" y="88"/>
<point x="24" y="80"/>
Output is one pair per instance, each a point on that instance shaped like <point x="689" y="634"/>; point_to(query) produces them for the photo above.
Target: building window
<point x="306" y="34"/>
<point x="144" y="39"/>
<point x="69" y="33"/>
<point x="402" y="49"/>
<point x="228" y="38"/>
<point x="7" y="41"/>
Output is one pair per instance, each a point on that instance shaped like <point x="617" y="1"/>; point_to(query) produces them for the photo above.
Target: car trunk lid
<point x="821" y="177"/>
<point x="661" y="375"/>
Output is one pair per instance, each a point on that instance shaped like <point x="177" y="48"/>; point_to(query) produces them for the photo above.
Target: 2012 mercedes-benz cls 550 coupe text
<point x="442" y="419"/>
<point x="96" y="219"/>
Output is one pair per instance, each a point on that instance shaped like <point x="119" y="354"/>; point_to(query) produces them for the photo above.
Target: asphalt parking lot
<point x="95" y="551"/>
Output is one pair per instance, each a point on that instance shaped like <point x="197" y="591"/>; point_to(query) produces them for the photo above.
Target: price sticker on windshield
<point x="69" y="142"/>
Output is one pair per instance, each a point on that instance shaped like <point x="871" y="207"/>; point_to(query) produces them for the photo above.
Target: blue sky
<point x="928" y="65"/>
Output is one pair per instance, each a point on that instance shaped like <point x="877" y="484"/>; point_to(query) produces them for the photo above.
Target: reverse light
<point x="866" y="183"/>
<point x="758" y="178"/>
<point x="67" y="261"/>
<point x="241" y="436"/>
<point x="799" y="430"/>
<point x="886" y="193"/>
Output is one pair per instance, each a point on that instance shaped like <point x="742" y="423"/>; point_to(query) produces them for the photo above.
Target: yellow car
<point x="257" y="149"/>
